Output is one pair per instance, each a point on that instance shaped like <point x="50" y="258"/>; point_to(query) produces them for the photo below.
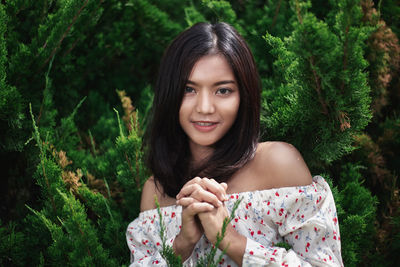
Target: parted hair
<point x="168" y="154"/>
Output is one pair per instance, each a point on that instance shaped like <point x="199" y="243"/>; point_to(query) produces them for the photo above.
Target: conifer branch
<point x="42" y="155"/>
<point x="209" y="260"/>
<point x="278" y="6"/>
<point x="131" y="168"/>
<point x="345" y="56"/>
<point x="137" y="178"/>
<point x="317" y="82"/>
<point x="53" y="52"/>
<point x="79" y="227"/>
<point x="298" y="12"/>
<point x="167" y="252"/>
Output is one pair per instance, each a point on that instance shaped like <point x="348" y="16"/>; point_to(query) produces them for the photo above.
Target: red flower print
<point x="277" y="194"/>
<point x="251" y="252"/>
<point x="172" y="214"/>
<point x="281" y="212"/>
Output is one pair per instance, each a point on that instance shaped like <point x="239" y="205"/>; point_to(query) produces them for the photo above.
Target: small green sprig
<point x="175" y="260"/>
<point x="209" y="260"/>
<point x="167" y="251"/>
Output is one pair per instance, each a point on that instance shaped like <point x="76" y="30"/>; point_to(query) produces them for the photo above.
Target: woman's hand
<point x="191" y="229"/>
<point x="203" y="190"/>
<point x="212" y="193"/>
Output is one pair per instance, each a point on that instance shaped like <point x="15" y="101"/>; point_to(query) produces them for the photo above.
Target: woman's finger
<point x="198" y="207"/>
<point x="200" y="194"/>
<point x="207" y="184"/>
<point x="185" y="201"/>
<point x="216" y="188"/>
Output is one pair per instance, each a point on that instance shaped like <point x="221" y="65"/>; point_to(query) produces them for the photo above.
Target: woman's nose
<point x="205" y="103"/>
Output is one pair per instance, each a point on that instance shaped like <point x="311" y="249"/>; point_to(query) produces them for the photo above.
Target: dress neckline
<point x="315" y="180"/>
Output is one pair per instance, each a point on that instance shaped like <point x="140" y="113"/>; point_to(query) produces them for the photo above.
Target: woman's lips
<point x="205" y="126"/>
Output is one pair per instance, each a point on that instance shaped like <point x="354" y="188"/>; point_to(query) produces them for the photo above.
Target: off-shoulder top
<point x="303" y="216"/>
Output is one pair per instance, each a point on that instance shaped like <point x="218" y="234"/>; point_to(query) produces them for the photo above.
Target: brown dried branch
<point x="129" y="111"/>
<point x="344" y="121"/>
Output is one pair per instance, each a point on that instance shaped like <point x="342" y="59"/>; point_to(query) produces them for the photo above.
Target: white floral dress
<point x="302" y="216"/>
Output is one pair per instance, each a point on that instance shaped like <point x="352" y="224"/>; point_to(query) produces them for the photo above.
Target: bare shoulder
<point x="150" y="190"/>
<point x="280" y="164"/>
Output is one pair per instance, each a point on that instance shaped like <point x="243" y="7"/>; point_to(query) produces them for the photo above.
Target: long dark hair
<point x="168" y="154"/>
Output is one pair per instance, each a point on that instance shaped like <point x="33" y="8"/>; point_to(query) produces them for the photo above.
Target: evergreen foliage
<point x="330" y="76"/>
<point x="321" y="104"/>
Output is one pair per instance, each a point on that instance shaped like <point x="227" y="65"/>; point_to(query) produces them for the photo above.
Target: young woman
<point x="204" y="154"/>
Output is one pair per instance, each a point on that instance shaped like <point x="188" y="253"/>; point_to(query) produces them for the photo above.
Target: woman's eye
<point x="224" y="91"/>
<point x="189" y="90"/>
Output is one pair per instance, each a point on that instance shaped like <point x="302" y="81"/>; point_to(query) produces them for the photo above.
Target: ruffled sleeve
<point x="307" y="221"/>
<point x="143" y="235"/>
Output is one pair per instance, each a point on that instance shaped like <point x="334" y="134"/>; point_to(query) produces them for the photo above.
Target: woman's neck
<point x="199" y="153"/>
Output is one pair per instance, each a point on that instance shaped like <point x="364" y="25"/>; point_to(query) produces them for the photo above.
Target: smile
<point x="205" y="123"/>
<point x="204" y="126"/>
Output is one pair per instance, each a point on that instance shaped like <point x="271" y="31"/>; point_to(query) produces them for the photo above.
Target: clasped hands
<point x="203" y="211"/>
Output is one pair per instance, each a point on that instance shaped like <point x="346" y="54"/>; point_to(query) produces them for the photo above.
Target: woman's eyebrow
<point x="215" y="84"/>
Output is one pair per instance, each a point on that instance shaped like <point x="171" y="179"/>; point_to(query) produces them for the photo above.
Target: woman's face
<point x="210" y="103"/>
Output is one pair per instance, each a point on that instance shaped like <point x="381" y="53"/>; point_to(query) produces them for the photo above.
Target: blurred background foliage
<point x="76" y="83"/>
